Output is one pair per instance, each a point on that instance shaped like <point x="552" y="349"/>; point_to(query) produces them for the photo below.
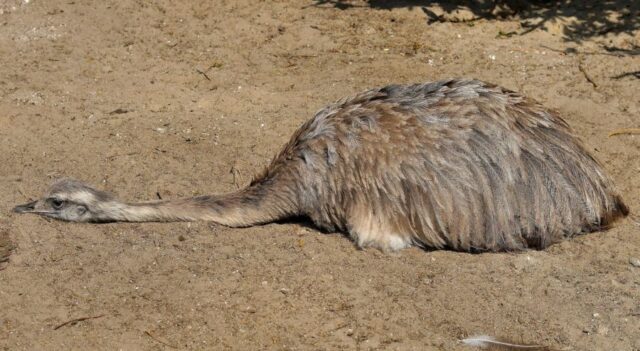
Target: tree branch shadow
<point x="635" y="74"/>
<point x="586" y="18"/>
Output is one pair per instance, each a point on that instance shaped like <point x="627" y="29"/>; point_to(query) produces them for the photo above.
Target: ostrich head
<point x="71" y="200"/>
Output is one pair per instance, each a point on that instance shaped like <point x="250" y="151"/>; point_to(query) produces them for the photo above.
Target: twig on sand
<point x="119" y="111"/>
<point x="111" y="157"/>
<point x="158" y="340"/>
<point x="76" y="320"/>
<point x="586" y="75"/>
<point x="204" y="74"/>
<point x="624" y="131"/>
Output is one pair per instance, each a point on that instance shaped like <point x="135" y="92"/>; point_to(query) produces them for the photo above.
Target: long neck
<point x="253" y="205"/>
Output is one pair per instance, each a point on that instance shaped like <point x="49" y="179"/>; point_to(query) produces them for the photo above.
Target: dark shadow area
<point x="634" y="51"/>
<point x="592" y="18"/>
<point x="302" y="221"/>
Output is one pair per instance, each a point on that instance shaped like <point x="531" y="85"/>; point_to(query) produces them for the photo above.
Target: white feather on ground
<point x="489" y="342"/>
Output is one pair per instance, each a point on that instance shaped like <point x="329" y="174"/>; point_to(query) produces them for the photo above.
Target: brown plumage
<point x="458" y="164"/>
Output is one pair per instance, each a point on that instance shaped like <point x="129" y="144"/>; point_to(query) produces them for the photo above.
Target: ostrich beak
<point x="26" y="208"/>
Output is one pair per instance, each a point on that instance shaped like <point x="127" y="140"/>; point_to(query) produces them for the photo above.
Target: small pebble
<point x="634" y="261"/>
<point x="602" y="330"/>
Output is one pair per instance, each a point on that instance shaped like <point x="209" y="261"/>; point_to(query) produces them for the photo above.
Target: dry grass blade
<point x="76" y="320"/>
<point x="624" y="131"/>
<point x="158" y="340"/>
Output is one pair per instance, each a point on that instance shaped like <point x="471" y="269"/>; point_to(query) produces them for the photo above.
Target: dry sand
<point x="194" y="97"/>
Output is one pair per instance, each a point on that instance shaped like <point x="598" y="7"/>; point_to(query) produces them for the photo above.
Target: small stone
<point x="602" y="330"/>
<point x="634" y="261"/>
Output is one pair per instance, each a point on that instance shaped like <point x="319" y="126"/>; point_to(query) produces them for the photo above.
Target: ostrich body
<point x="458" y="164"/>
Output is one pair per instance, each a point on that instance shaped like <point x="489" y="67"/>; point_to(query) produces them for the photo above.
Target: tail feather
<point x="491" y="343"/>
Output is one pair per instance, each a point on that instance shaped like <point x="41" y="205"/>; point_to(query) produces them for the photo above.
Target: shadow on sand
<point x="587" y="18"/>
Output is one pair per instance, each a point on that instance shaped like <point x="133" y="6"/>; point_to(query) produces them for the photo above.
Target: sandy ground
<point x="185" y="98"/>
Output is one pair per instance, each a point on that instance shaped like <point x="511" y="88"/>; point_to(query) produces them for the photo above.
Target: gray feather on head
<point x="71" y="200"/>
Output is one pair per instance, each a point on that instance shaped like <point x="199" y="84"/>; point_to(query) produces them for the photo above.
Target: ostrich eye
<point x="57" y="203"/>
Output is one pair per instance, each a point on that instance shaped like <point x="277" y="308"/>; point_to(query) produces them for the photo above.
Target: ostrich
<point x="455" y="164"/>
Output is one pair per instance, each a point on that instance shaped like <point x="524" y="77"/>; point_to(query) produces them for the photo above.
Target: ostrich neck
<point x="243" y="208"/>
